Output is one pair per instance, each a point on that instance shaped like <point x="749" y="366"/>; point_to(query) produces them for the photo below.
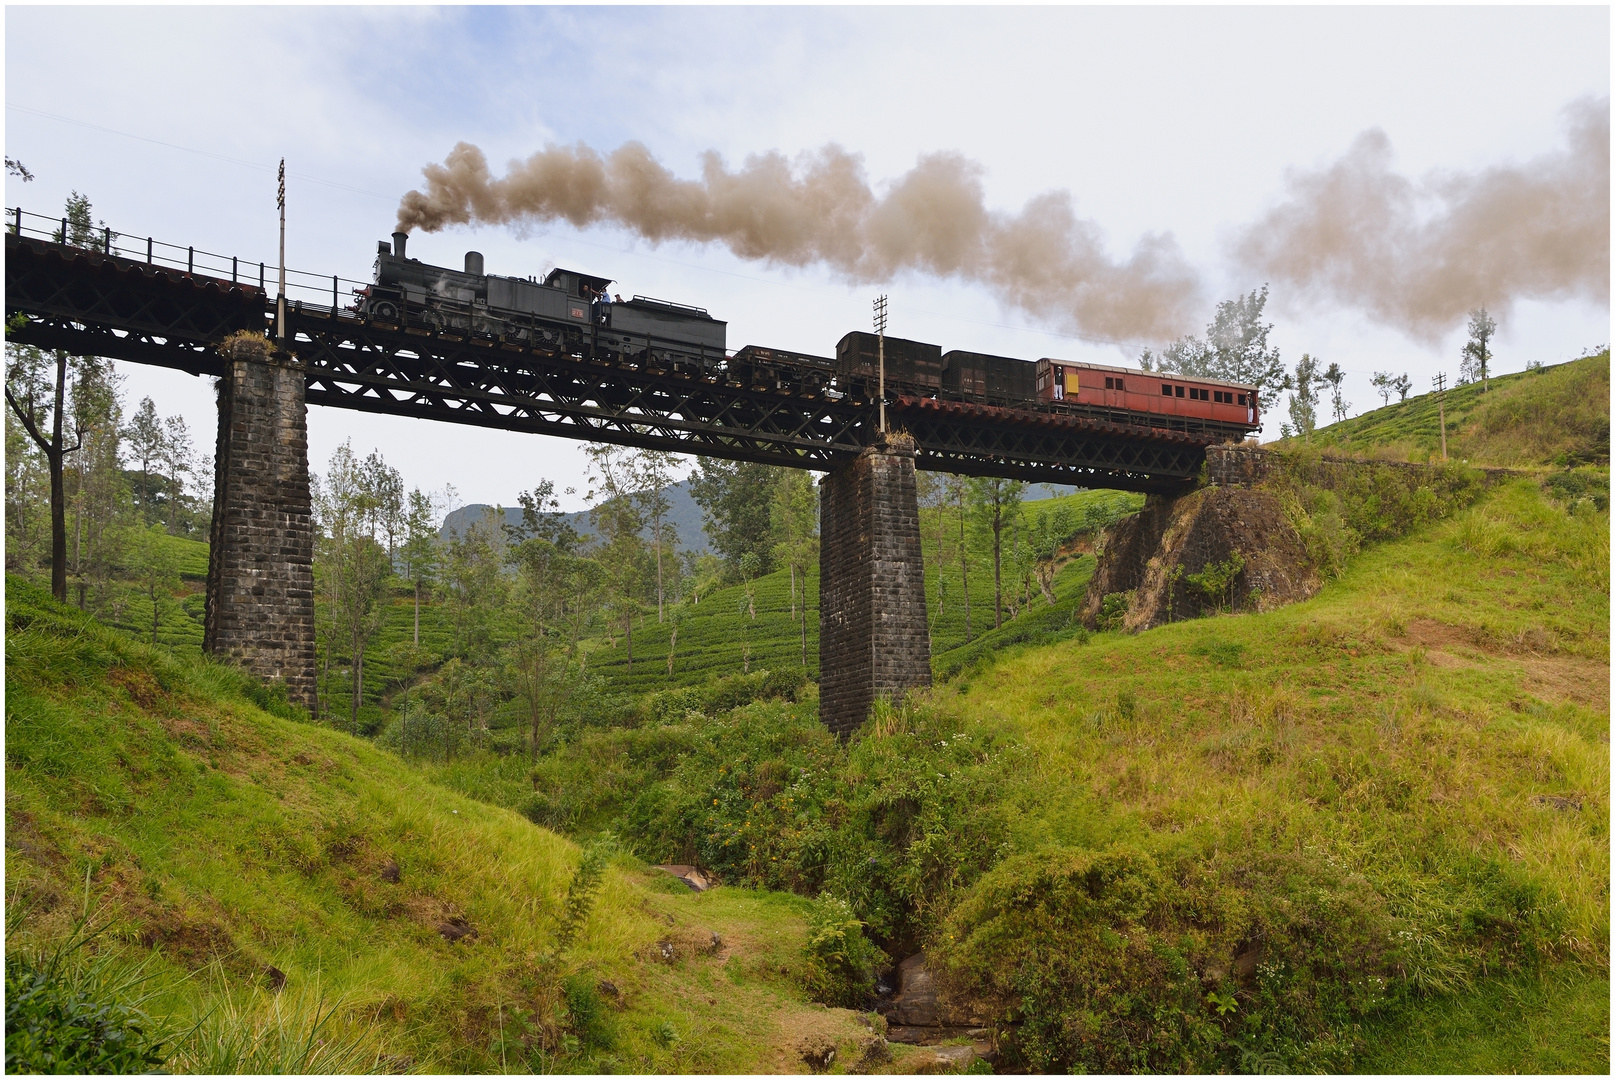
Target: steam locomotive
<point x="574" y="314"/>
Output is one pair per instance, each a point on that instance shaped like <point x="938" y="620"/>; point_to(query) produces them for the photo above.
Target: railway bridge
<point x="141" y="301"/>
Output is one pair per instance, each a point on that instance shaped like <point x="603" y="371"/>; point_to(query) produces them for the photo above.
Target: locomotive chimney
<point x="473" y="263"/>
<point x="398" y="243"/>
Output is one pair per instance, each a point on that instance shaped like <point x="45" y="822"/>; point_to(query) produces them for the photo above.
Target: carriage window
<point x="1179" y="390"/>
<point x="1166" y="390"/>
<point x="1242" y="399"/>
<point x="1217" y="396"/>
<point x="1110" y="383"/>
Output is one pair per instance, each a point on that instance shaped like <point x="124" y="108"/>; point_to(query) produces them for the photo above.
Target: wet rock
<point x="456" y="929"/>
<point x="943" y="1059"/>
<point x="927" y="1036"/>
<point x="390" y="873"/>
<point x="915" y="1004"/>
<point x="697" y="879"/>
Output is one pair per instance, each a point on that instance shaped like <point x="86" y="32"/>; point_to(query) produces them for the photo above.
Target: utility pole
<point x="1441" y="408"/>
<point x="280" y="304"/>
<point x="880" y="333"/>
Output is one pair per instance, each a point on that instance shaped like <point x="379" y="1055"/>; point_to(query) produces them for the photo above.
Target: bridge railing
<point x="325" y="292"/>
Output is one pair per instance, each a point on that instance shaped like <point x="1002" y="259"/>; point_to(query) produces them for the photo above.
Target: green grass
<point x="1440" y="711"/>
<point x="220" y="838"/>
<point x="1553" y="415"/>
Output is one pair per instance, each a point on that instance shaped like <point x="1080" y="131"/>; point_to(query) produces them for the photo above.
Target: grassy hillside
<point x="1432" y="729"/>
<point x="1369" y="831"/>
<point x="1556" y="415"/>
<point x="221" y="841"/>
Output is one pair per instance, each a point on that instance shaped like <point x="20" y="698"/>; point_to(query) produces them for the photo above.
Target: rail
<point x="311" y="289"/>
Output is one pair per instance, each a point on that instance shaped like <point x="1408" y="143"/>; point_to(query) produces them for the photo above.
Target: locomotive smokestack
<point x="399" y="239"/>
<point x="473" y="263"/>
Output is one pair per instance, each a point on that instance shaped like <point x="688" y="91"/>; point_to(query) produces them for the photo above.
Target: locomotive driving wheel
<point x="386" y="311"/>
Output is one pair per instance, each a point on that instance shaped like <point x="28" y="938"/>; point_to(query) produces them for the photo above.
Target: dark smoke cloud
<point x="1419" y="255"/>
<point x="1045" y="260"/>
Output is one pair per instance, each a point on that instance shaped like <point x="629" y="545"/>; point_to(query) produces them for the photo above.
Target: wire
<point x="192" y="150"/>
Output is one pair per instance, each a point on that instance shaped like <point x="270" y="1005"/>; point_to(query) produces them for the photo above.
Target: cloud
<point x="1418" y="255"/>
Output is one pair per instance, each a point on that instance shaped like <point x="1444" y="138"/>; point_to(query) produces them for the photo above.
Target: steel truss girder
<point x="90" y="303"/>
<point x="445" y="377"/>
<point x="104" y="305"/>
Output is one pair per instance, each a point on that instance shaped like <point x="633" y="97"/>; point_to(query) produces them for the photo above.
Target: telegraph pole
<point x="880" y="333"/>
<point x="280" y="304"/>
<point x="1441" y="407"/>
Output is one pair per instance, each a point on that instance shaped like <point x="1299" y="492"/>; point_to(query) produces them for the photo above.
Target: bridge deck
<point x="92" y="302"/>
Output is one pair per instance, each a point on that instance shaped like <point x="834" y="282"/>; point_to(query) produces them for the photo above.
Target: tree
<point x="177" y="456"/>
<point x="355" y="566"/>
<point x="1385" y="384"/>
<point x="931" y="490"/>
<point x="99" y="491"/>
<point x="547" y="680"/>
<point x="542" y="517"/>
<point x="653" y="475"/>
<point x="1335" y="377"/>
<point x="1050" y="528"/>
<point x="37" y="404"/>
<point x="1235" y="349"/>
<point x="418" y="557"/>
<point x="81" y="230"/>
<point x="17" y="168"/>
<point x="1402" y="384"/>
<point x="958" y="489"/>
<point x="615" y="511"/>
<point x="736" y="499"/>
<point x="157" y="568"/>
<point x="796" y="526"/>
<point x="1304" y="396"/>
<point x="145" y="437"/>
<point x="1477" y="357"/>
<point x="384" y="502"/>
<point x="995" y="502"/>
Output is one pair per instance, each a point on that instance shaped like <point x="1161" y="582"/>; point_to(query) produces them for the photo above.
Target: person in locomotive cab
<point x="603" y="298"/>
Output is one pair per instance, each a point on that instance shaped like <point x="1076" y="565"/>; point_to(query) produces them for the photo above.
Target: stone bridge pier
<point x="260" y="580"/>
<point x="874" y="639"/>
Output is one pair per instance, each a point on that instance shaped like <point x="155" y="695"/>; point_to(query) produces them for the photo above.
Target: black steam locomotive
<point x="574" y="314"/>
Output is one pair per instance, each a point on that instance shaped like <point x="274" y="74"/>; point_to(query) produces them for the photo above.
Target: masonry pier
<point x="260" y="581"/>
<point x="874" y="638"/>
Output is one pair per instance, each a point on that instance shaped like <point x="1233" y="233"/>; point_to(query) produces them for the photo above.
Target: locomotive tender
<point x="573" y="314"/>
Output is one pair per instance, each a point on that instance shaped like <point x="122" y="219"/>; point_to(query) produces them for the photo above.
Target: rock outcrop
<point x="1153" y="554"/>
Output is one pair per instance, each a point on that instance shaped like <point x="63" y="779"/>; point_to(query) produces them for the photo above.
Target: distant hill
<point x="684" y="517"/>
<point x="1554" y="415"/>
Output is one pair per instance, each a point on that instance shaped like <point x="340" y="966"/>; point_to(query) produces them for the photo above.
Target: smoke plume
<point x="934" y="219"/>
<point x="1419" y="255"/>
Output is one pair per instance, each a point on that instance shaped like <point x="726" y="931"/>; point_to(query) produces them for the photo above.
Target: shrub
<point x="67" y="1016"/>
<point x="1113" y="609"/>
<point x="841" y="962"/>
<point x="1110" y="961"/>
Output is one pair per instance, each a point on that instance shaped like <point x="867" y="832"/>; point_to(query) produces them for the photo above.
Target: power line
<point x="260" y="166"/>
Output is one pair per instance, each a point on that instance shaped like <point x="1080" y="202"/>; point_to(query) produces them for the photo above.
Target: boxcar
<point x="995" y="380"/>
<point x="910" y="365"/>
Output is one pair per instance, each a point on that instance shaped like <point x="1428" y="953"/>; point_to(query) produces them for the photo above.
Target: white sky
<point x="1180" y="120"/>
